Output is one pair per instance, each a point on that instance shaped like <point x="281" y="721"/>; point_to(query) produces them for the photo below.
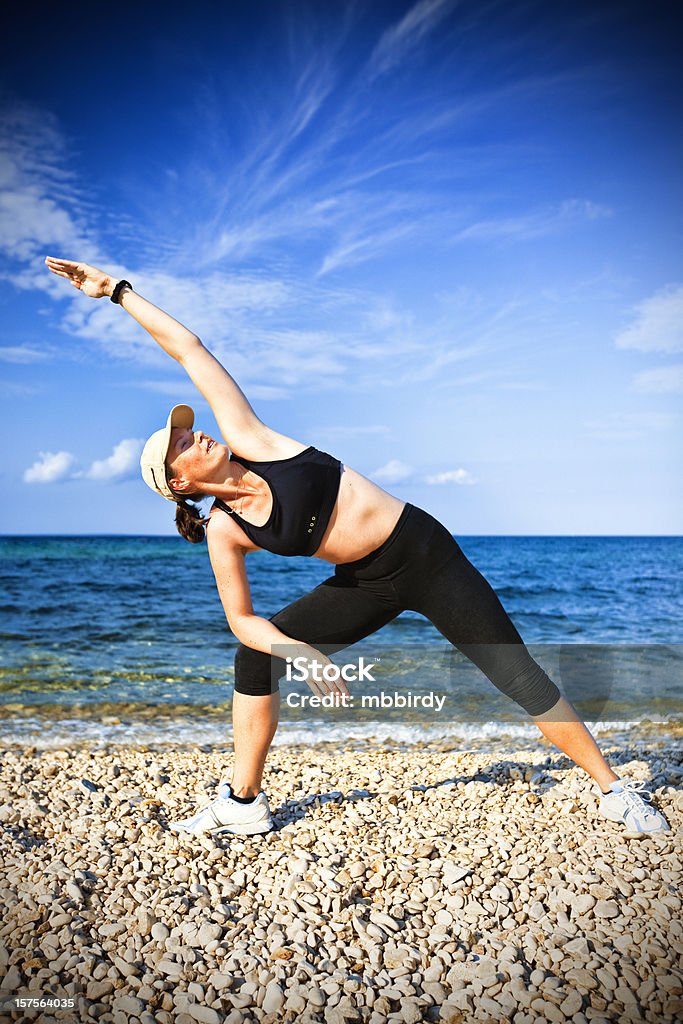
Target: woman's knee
<point x="254" y="672"/>
<point x="530" y="687"/>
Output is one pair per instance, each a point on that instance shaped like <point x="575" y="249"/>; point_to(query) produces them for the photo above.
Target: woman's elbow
<point x="241" y="627"/>
<point x="190" y="346"/>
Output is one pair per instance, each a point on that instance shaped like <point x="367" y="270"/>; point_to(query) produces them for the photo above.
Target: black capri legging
<point x="421" y="568"/>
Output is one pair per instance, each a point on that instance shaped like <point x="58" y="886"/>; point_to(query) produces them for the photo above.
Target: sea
<point x="122" y="640"/>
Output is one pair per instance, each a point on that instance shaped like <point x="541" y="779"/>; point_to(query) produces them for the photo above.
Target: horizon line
<point x="171" y="536"/>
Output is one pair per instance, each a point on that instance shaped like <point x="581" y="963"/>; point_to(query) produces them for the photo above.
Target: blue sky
<point x="440" y="240"/>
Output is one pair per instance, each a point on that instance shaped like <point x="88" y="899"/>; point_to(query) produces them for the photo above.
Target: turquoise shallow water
<point x="110" y="633"/>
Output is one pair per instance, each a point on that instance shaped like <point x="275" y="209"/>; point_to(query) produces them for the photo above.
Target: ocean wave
<point x="75" y="732"/>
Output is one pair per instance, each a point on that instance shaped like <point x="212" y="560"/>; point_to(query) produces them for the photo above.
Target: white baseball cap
<point x="153" y="458"/>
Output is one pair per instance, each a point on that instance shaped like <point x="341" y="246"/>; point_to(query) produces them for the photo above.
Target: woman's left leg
<point x="463" y="606"/>
<point x="565" y="730"/>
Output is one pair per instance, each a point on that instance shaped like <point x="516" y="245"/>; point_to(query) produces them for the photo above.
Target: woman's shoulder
<point x="223" y="531"/>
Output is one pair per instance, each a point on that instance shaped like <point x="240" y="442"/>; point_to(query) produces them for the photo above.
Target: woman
<point x="275" y="493"/>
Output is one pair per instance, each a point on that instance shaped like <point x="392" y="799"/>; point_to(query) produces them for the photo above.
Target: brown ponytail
<point x="189" y="520"/>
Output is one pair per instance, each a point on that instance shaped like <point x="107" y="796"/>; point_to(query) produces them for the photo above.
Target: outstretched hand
<point x="90" y="280"/>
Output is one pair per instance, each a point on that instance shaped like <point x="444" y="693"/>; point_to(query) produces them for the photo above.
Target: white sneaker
<point x="226" y="815"/>
<point x="627" y="801"/>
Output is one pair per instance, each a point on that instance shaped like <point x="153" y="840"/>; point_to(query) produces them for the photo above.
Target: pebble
<point x="203" y="1014"/>
<point x="208" y="933"/>
<point x="572" y="1004"/>
<point x="73" y="890"/>
<point x="273" y="999"/>
<point x="606" y="908"/>
<point x="583" y="903"/>
<point x="146" y="920"/>
<point x="128" y="1004"/>
<point x="454" y="873"/>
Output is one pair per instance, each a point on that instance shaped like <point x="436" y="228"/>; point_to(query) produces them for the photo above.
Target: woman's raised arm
<point x="233" y="413"/>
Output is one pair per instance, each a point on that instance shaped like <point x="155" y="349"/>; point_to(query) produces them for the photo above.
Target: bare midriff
<point x="362" y="519"/>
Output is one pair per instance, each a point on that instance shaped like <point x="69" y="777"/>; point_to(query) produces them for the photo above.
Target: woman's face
<point x="194" y="459"/>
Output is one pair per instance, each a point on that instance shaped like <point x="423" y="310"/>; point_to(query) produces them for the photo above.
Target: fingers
<point x="63" y="268"/>
<point x="54" y="261"/>
<point x="331" y="679"/>
<point x="339" y="697"/>
<point x="324" y="679"/>
<point x="71" y="278"/>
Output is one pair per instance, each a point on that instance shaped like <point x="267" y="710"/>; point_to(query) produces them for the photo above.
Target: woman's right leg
<point x="254" y="723"/>
<point x="335" y="614"/>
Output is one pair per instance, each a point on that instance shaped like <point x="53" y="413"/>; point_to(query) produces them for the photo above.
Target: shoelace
<point x="635" y="793"/>
<point x="223" y="794"/>
<point x="207" y="803"/>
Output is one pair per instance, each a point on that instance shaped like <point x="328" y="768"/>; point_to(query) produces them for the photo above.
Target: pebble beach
<point x="400" y="884"/>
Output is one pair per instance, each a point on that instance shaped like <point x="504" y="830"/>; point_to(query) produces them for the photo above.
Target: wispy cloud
<point x="346" y="171"/>
<point x="13" y="389"/>
<point x="39" y="205"/>
<point x="253" y="325"/>
<point x="50" y="468"/>
<point x="357" y="246"/>
<point x="354" y="430"/>
<point x="663" y="380"/>
<point x="535" y="223"/>
<point x="22" y="354"/>
<point x="330" y="178"/>
<point x="392" y="472"/>
<point x="628" y="426"/>
<point x="123" y="463"/>
<point x="658" y="323"/>
<point x="406" y="35"/>
<point x="171" y="388"/>
<point x="451" y="476"/>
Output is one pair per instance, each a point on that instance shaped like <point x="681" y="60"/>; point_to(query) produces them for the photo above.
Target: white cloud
<point x="12" y="389"/>
<point x="178" y="390"/>
<point x="393" y="471"/>
<point x="351" y="430"/>
<point x="39" y="208"/>
<point x="397" y="41"/>
<point x="536" y="223"/>
<point x="217" y="307"/>
<point x="663" y="379"/>
<point x="50" y="468"/>
<point x="658" y="324"/>
<point x="356" y="248"/>
<point x="451" y="476"/>
<point x="123" y="462"/>
<point x="21" y="354"/>
<point x="522" y="385"/>
<point x="628" y="426"/>
<point x="267" y="392"/>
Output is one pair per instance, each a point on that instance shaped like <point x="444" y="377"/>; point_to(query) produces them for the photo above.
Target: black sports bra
<point x="304" y="490"/>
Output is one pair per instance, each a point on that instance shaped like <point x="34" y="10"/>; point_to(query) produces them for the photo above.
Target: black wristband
<point x="117" y="290"/>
